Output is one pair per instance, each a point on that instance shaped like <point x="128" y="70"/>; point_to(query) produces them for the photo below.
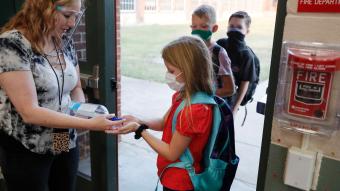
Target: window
<point x="127" y="5"/>
<point x="165" y="5"/>
<point x="150" y="5"/>
<point x="194" y="3"/>
<point x="179" y="5"/>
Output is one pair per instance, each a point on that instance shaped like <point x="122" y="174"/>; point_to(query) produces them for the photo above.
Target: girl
<point x="189" y="70"/>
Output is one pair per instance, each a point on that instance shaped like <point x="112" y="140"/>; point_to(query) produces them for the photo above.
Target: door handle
<point x="90" y="81"/>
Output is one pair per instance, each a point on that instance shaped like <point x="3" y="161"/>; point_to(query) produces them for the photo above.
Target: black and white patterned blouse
<point x="16" y="55"/>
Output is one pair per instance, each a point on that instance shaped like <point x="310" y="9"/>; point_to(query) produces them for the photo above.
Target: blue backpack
<point x="219" y="159"/>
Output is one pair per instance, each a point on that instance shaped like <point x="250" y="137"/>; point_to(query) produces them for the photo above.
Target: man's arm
<point x="247" y="75"/>
<point x="226" y="75"/>
<point x="242" y="90"/>
<point x="228" y="87"/>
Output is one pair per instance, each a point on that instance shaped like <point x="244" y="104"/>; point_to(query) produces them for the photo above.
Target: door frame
<point x="101" y="49"/>
<point x="272" y="86"/>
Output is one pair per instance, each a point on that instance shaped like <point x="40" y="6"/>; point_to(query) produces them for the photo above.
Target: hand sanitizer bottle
<point x="88" y="110"/>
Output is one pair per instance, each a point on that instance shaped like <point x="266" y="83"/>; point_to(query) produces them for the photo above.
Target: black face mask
<point x="235" y="33"/>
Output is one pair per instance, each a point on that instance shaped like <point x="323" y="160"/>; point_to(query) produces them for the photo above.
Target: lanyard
<point x="60" y="90"/>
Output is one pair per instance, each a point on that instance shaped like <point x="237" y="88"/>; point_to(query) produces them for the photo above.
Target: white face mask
<point x="172" y="82"/>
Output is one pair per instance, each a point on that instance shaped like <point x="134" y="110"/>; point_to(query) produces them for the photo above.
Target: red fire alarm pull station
<point x="311" y="82"/>
<point x="306" y="98"/>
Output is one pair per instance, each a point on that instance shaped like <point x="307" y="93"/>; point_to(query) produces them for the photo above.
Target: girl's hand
<point x="130" y="118"/>
<point x="127" y="128"/>
<point x="103" y="122"/>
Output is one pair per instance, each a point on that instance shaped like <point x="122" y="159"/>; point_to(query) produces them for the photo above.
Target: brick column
<point x="188" y="9"/>
<point x="140" y="8"/>
<point x="269" y="5"/>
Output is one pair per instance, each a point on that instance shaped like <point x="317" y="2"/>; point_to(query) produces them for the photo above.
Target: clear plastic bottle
<point x="87" y="110"/>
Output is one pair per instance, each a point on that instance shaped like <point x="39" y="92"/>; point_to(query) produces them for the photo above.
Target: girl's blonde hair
<point x="36" y="20"/>
<point x="191" y="56"/>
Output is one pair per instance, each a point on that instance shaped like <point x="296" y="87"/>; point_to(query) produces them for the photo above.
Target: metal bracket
<point x="113" y="83"/>
<point x="91" y="81"/>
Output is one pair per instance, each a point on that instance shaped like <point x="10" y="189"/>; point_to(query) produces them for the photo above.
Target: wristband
<point x="138" y="132"/>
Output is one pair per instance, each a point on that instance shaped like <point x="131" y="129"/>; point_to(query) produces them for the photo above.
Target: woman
<point x="39" y="76"/>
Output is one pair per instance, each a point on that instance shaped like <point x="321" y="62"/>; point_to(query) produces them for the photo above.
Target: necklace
<point x="54" y="53"/>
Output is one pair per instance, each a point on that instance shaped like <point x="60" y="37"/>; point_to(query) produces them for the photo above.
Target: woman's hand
<point x="103" y="123"/>
<point x="127" y="128"/>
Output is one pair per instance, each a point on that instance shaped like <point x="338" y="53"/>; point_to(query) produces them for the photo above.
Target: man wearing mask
<point x="242" y="58"/>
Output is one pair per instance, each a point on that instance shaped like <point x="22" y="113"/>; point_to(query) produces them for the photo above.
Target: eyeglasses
<point x="70" y="13"/>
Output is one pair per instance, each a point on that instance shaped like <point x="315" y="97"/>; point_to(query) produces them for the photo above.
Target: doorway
<point x="145" y="28"/>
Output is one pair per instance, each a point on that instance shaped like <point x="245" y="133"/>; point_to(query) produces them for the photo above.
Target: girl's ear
<point x="214" y="28"/>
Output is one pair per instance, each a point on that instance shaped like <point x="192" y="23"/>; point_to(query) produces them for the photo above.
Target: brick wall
<point x="118" y="61"/>
<point x="79" y="39"/>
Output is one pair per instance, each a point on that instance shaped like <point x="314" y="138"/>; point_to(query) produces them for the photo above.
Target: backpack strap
<point x="245" y="113"/>
<point x="183" y="165"/>
<point x="215" y="58"/>
<point x="197" y="98"/>
<point x="216" y="64"/>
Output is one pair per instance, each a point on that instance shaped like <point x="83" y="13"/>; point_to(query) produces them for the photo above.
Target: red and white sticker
<point x="324" y="6"/>
<point x="311" y="82"/>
